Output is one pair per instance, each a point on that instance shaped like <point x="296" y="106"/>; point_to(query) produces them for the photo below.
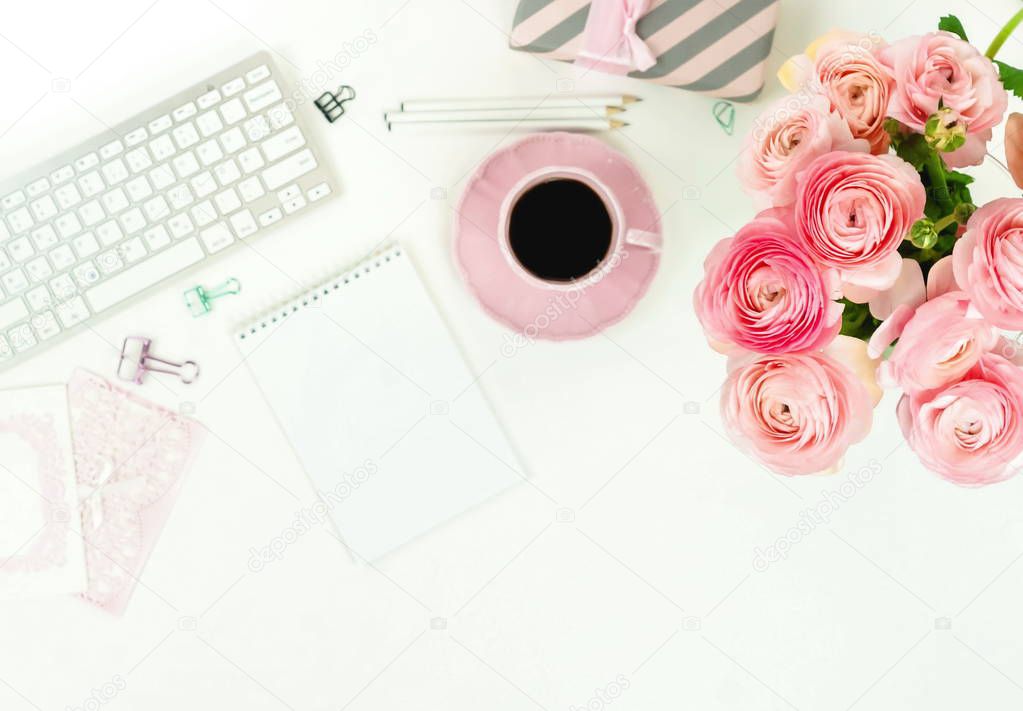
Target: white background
<point x="907" y="597"/>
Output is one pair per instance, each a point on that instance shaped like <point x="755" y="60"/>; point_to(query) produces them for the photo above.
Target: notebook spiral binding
<point x="275" y="314"/>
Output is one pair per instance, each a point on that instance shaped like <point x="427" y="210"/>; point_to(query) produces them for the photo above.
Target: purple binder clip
<point x="136" y="361"/>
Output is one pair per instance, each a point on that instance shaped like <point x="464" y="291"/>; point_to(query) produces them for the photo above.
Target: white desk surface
<point x="627" y="569"/>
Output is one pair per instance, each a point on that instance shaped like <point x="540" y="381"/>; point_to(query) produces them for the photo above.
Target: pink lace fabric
<point x="130" y="456"/>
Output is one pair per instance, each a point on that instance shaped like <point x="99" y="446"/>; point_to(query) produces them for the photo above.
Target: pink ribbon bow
<point x="610" y="41"/>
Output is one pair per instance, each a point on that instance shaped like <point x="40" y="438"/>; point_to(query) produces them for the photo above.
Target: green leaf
<point x="957" y="178"/>
<point x="915" y="151"/>
<point x="951" y="23"/>
<point x="1012" y="78"/>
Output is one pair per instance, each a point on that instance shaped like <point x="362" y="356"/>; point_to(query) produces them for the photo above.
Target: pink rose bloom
<point x="762" y="293"/>
<point x="941" y="67"/>
<point x="940" y="343"/>
<point x="971" y="431"/>
<point x="796" y="413"/>
<point x="787" y="138"/>
<point x="852" y="212"/>
<point x="988" y="262"/>
<point x="844" y="67"/>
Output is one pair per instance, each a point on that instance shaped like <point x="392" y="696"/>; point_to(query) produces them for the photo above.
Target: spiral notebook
<point x="379" y="405"/>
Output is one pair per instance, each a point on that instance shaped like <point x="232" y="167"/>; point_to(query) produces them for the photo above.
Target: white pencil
<point x="518" y="102"/>
<point x="568" y="124"/>
<point x="579" y="112"/>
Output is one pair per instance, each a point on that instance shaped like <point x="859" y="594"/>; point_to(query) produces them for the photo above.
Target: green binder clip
<point x="200" y="301"/>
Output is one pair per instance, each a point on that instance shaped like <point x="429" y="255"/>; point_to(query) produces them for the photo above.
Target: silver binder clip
<point x="136" y="361"/>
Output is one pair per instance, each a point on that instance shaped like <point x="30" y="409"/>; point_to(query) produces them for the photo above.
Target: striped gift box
<point x="715" y="47"/>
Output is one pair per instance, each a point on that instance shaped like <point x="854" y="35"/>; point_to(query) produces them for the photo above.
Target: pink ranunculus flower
<point x="969" y="432"/>
<point x="785" y="139"/>
<point x="762" y="293"/>
<point x="852" y="212"/>
<point x="941" y="342"/>
<point x="844" y="67"/>
<point x="988" y="262"/>
<point x="940" y="68"/>
<point x="798" y="413"/>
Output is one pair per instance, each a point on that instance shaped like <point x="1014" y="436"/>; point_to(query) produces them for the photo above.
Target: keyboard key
<point x="186" y="164"/>
<point x="294" y="205"/>
<point x="160" y="124"/>
<point x="67" y="196"/>
<point x="262" y="96"/>
<point x="22" y="338"/>
<point x="62" y="175"/>
<point x="68" y="225"/>
<point x="318" y="192"/>
<point x="138" y="188"/>
<point x="45" y="325"/>
<point x="86" y="273"/>
<point x="233" y="87"/>
<point x="186" y="136"/>
<point x="209" y="123"/>
<point x="111" y="149"/>
<point x="91" y="213"/>
<point x="85" y="245"/>
<point x="133" y="250"/>
<point x="12" y="312"/>
<point x="63" y="287"/>
<point x="227" y="201"/>
<point x="72" y="312"/>
<point x="181" y="225"/>
<point x="133" y="221"/>
<point x="232" y="111"/>
<point x="13" y="200"/>
<point x="39" y="299"/>
<point x="6" y="352"/>
<point x="5" y="261"/>
<point x="162" y="148"/>
<point x="115" y="171"/>
<point x="251" y="160"/>
<point x="157" y="209"/>
<point x="86" y="162"/>
<point x="62" y="257"/>
<point x="258" y="74"/>
<point x="216" y="238"/>
<point x="232" y="140"/>
<point x="244" y="224"/>
<point x="162" y="176"/>
<point x="20" y="220"/>
<point x="4" y="233"/>
<point x="184" y="112"/>
<point x="131" y="281"/>
<point x="208" y="99"/>
<point x="15" y="281"/>
<point x="110" y="261"/>
<point x="135" y="137"/>
<point x="38" y="270"/>
<point x="138" y="159"/>
<point x="37" y="187"/>
<point x="109" y="233"/>
<point x="289" y="169"/>
<point x="209" y="152"/>
<point x="115" y="201"/>
<point x="227" y="172"/>
<point x="257" y="128"/>
<point x="44" y="208"/>
<point x="180" y="196"/>
<point x="204" y="213"/>
<point x="271" y="216"/>
<point x="251" y="189"/>
<point x="280" y="116"/>
<point x="289" y="193"/>
<point x="157" y="237"/>
<point x="283" y="143"/>
<point x="91" y="184"/>
<point x="20" y="249"/>
<point x="45" y="237"/>
<point x="204" y="184"/>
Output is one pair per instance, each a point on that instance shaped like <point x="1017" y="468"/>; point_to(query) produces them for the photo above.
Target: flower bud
<point x="945" y="131"/>
<point x="963" y="212"/>
<point x="923" y="235"/>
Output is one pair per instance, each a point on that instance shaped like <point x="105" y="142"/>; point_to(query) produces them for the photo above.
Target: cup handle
<point x="642" y="238"/>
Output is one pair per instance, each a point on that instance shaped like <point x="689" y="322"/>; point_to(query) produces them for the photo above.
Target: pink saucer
<point x="521" y="301"/>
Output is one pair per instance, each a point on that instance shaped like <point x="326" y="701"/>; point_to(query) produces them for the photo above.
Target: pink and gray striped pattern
<point x="716" y="47"/>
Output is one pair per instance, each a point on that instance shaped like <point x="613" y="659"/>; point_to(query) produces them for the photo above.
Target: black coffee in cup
<point x="560" y="230"/>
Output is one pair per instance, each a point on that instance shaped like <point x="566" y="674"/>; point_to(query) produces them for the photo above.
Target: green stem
<point x="944" y="222"/>
<point x="936" y="172"/>
<point x="1003" y="35"/>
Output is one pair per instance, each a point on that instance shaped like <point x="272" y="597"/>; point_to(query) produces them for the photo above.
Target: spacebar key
<point x="153" y="270"/>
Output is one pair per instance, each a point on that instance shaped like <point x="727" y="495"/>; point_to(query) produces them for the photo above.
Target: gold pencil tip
<point x="629" y="99"/>
<point x="612" y="110"/>
<point x="618" y="124"/>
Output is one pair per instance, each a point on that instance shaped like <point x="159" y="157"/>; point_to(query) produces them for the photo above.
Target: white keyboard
<point x="164" y="191"/>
